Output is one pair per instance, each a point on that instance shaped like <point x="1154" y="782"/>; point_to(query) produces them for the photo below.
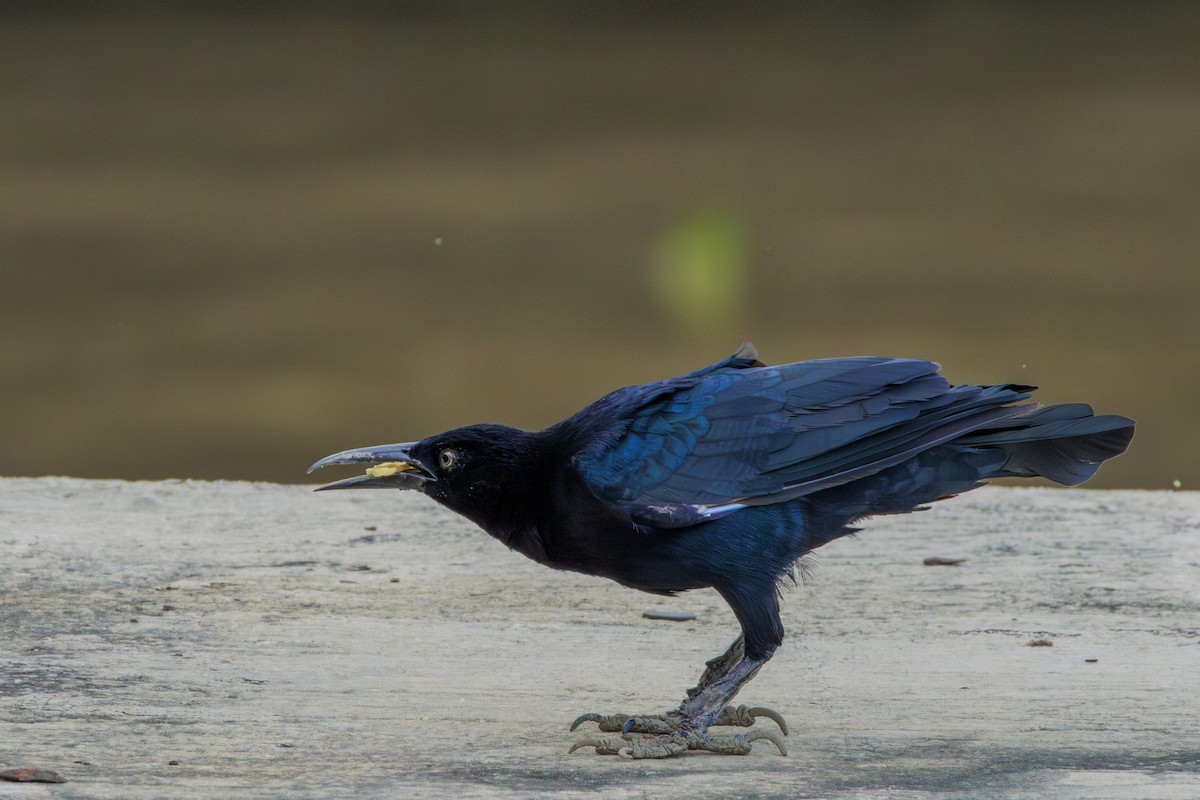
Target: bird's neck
<point x="511" y="511"/>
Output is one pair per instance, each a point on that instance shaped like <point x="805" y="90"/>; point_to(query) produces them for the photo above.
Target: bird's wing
<point x="739" y="433"/>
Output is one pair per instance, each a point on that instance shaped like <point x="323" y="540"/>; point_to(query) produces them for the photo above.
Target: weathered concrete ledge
<point x="277" y="643"/>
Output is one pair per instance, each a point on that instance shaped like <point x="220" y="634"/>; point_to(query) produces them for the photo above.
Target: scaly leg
<point x="686" y="728"/>
<point x="718" y="667"/>
<point x="714" y="670"/>
<point x="704" y="706"/>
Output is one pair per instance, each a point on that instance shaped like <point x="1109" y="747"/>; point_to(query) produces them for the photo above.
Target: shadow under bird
<point x="724" y="478"/>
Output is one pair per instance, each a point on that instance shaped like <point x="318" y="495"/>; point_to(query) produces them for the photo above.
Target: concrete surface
<point x="281" y="644"/>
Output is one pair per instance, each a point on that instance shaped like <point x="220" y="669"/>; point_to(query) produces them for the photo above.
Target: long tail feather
<point x="1064" y="443"/>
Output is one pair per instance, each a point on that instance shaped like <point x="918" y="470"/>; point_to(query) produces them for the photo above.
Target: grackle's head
<point x="472" y="470"/>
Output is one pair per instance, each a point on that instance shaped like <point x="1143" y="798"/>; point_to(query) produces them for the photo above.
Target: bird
<point x="725" y="478"/>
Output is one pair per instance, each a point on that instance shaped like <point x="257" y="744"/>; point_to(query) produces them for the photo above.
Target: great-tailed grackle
<point x="724" y="478"/>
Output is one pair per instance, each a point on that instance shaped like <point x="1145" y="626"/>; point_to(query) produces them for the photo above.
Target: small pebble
<point x="32" y="775"/>
<point x="673" y="616"/>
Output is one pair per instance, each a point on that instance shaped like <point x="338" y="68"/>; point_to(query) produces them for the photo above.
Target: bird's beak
<point x="394" y="467"/>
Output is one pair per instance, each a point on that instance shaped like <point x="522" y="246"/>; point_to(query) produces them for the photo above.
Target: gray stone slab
<point x="281" y="644"/>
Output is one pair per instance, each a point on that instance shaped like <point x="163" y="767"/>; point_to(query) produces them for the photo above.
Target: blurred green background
<point x="237" y="237"/>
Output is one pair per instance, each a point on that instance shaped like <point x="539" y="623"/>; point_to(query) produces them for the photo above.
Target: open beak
<point x="393" y="467"/>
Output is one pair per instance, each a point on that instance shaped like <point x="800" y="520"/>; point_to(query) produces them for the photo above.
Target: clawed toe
<point x="746" y="716"/>
<point x="739" y="744"/>
<point x="656" y="724"/>
<point x="656" y="746"/>
<point x="631" y="746"/>
<point x="605" y="745"/>
<point x="606" y="722"/>
<point x="623" y="723"/>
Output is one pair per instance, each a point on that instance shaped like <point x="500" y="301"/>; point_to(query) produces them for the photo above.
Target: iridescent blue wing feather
<point x="740" y="433"/>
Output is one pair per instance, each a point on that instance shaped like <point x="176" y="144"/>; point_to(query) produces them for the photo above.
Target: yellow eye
<point x="446" y="459"/>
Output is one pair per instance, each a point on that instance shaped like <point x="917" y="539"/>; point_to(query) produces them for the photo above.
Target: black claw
<point x="755" y="736"/>
<point x="585" y="718"/>
<point x="605" y="745"/>
<point x="759" y="711"/>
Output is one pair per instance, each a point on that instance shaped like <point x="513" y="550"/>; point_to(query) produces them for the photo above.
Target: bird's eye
<point x="446" y="459"/>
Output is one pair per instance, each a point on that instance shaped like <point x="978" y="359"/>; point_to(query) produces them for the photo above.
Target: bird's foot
<point x="666" y="735"/>
<point x="630" y="745"/>
<point x="737" y="716"/>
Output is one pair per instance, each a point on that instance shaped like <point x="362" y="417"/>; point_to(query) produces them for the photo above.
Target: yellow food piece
<point x="388" y="468"/>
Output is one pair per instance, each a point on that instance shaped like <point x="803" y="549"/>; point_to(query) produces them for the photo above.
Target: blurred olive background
<point x="237" y="237"/>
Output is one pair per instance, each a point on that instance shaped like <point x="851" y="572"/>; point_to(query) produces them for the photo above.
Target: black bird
<point x="723" y="478"/>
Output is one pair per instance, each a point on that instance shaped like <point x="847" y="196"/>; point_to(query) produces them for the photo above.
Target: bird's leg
<point x="719" y="666"/>
<point x="686" y="728"/>
<point x="715" y="669"/>
<point x="703" y="707"/>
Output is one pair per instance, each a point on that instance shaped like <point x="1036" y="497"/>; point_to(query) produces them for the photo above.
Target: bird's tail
<point x="1065" y="443"/>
